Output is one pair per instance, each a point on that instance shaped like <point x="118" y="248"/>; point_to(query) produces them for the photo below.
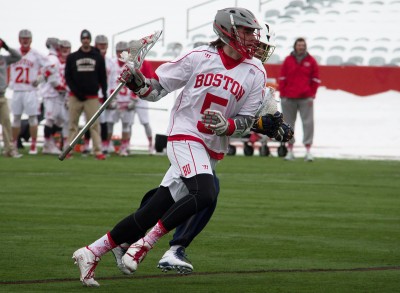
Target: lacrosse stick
<point x="133" y="59"/>
<point x="151" y="108"/>
<point x="269" y="105"/>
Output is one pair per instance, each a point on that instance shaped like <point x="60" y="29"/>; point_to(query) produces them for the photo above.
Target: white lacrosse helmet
<point x="267" y="43"/>
<point x="52" y="43"/>
<point x="121" y="46"/>
<point x="101" y="39"/>
<point x="225" y="26"/>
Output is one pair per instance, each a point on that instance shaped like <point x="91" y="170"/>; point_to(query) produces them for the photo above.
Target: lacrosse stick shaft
<point x="85" y="128"/>
<point x="151" y="108"/>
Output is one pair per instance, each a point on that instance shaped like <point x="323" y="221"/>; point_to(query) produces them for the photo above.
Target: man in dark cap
<point x="85" y="70"/>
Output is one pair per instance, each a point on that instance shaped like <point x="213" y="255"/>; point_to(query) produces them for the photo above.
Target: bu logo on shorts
<point x="186" y="170"/>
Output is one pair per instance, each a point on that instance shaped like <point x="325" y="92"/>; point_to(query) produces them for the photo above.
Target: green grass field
<point x="326" y="226"/>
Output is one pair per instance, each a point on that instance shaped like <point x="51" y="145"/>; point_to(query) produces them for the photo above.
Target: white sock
<point x="155" y="233"/>
<point x="102" y="245"/>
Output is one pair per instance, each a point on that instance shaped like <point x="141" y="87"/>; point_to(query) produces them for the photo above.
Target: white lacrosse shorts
<point x="25" y="102"/>
<point x="188" y="158"/>
<point x="54" y="108"/>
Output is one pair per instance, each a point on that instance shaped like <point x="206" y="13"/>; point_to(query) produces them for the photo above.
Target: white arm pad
<point x="152" y="91"/>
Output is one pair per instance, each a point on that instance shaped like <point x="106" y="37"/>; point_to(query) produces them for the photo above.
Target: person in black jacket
<point x="85" y="70"/>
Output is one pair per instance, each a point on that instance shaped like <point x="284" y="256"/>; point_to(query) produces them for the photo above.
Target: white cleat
<point x="175" y="260"/>
<point x="124" y="153"/>
<point x="308" y="157"/>
<point x="135" y="254"/>
<point x="87" y="262"/>
<point x="33" y="151"/>
<point x="50" y="149"/>
<point x="289" y="156"/>
<point x="118" y="254"/>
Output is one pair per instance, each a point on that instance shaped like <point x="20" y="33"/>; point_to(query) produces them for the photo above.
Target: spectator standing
<point x="298" y="84"/>
<point x="5" y="60"/>
<point x="85" y="70"/>
<point x="24" y="77"/>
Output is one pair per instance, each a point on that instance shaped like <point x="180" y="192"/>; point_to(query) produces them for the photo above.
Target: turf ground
<point x="326" y="226"/>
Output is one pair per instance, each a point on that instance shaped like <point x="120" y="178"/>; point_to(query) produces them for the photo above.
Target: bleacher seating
<point x="338" y="32"/>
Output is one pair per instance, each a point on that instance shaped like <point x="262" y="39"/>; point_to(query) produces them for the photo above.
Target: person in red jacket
<point x="298" y="84"/>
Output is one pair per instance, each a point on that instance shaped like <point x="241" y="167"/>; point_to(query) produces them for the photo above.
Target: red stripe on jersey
<point x="214" y="155"/>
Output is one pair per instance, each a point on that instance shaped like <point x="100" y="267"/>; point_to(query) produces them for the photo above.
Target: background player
<point x="53" y="92"/>
<point x="140" y="107"/>
<point x="121" y="108"/>
<point x="65" y="50"/>
<point x="24" y="77"/>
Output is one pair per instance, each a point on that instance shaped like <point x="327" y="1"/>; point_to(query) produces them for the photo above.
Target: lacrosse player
<point x="101" y="43"/>
<point x="65" y="50"/>
<point x="223" y="87"/>
<point x="175" y="258"/>
<point x="24" y="77"/>
<point x="140" y="107"/>
<point x="5" y="60"/>
<point x="121" y="108"/>
<point x="53" y="92"/>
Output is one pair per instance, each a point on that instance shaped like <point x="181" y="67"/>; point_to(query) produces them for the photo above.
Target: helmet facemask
<point x="267" y="44"/>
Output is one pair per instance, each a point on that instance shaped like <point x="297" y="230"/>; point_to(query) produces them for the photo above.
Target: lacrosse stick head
<point x="138" y="50"/>
<point x="269" y="104"/>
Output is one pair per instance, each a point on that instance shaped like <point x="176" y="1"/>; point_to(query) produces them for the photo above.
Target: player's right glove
<point x="134" y="80"/>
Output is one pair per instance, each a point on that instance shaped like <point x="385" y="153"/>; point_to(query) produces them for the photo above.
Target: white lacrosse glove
<point x="113" y="105"/>
<point x="132" y="105"/>
<point x="215" y="121"/>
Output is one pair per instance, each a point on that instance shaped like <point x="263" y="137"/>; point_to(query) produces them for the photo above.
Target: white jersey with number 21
<point x="211" y="80"/>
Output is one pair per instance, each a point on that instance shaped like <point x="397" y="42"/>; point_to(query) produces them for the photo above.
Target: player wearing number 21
<point x="221" y="91"/>
<point x="24" y="79"/>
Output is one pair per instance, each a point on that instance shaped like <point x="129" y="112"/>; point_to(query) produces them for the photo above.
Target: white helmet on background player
<point x="121" y="46"/>
<point x="52" y="43"/>
<point x="225" y="26"/>
<point x="25" y="38"/>
<point x="65" y="48"/>
<point x="267" y="43"/>
<point x="101" y="43"/>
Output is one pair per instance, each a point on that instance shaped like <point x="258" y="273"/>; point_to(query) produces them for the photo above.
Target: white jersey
<point x="110" y="68"/>
<point x="211" y="80"/>
<point x="25" y="72"/>
<point x="124" y="95"/>
<point x="52" y="74"/>
<point x="61" y="68"/>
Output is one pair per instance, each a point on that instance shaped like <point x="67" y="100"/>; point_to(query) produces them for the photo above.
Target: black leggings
<point x="162" y="207"/>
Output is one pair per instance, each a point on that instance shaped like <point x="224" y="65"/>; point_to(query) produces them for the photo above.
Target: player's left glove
<point x="215" y="121"/>
<point x="268" y="124"/>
